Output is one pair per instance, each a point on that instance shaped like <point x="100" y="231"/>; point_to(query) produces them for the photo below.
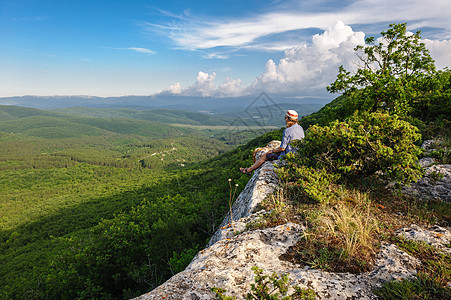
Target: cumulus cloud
<point x="230" y="87"/>
<point x="440" y="52"/>
<point x="204" y="86"/>
<point x="311" y="68"/>
<point x="304" y="70"/>
<point x="176" y="88"/>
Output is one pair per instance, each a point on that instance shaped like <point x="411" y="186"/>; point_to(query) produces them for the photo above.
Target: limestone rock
<point x="392" y="264"/>
<point x="258" y="152"/>
<point x="436" y="236"/>
<point x="426" y="162"/>
<point x="427" y="145"/>
<point x="262" y="183"/>
<point x="227" y="264"/>
<point x="436" y="184"/>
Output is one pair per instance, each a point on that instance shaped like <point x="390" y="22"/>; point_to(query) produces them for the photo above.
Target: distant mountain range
<point x="205" y="104"/>
<point x="261" y="110"/>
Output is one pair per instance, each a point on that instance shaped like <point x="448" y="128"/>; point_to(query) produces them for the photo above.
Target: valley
<point x="65" y="175"/>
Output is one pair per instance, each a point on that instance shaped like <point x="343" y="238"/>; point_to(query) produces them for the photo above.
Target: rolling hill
<point x="63" y="175"/>
<point x="49" y="124"/>
<point x="162" y="115"/>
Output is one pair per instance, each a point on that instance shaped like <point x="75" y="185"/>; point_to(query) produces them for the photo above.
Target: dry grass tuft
<point x="344" y="235"/>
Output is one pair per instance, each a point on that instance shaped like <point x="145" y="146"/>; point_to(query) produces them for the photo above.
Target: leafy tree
<point x="334" y="110"/>
<point x="388" y="76"/>
<point x="434" y="102"/>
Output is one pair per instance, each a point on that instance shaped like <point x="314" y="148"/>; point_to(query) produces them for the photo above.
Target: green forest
<point x="110" y="203"/>
<point x="69" y="180"/>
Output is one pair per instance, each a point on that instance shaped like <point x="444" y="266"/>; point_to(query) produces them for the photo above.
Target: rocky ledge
<point x="436" y="182"/>
<point x="232" y="252"/>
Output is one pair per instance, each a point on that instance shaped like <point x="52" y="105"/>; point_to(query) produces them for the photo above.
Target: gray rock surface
<point x="427" y="145"/>
<point x="234" y="249"/>
<point x="228" y="264"/>
<point x="436" y="184"/>
<point x="262" y="183"/>
<point x="426" y="162"/>
<point x="435" y="236"/>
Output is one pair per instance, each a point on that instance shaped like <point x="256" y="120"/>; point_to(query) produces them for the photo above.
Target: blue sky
<point x="197" y="48"/>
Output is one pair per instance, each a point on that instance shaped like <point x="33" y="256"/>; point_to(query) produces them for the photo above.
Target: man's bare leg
<point x="256" y="165"/>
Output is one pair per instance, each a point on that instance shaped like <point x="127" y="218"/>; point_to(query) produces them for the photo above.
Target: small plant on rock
<point x="269" y="287"/>
<point x="231" y="198"/>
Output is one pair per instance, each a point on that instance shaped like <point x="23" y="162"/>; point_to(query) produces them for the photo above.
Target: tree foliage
<point x="82" y="218"/>
<point x="396" y="74"/>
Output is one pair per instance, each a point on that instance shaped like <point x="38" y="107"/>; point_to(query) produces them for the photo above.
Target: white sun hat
<point x="292" y="114"/>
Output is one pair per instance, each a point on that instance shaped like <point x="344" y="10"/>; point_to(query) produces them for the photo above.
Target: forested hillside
<point x="68" y="182"/>
<point x="168" y="116"/>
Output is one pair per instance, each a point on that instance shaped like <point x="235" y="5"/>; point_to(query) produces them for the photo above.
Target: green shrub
<point x="315" y="184"/>
<point x="262" y="289"/>
<point x="363" y="145"/>
<point x="269" y="287"/>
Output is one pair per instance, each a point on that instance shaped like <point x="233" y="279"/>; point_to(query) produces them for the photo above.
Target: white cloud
<point x="206" y="87"/>
<point x="309" y="63"/>
<point x="311" y="68"/>
<point x="200" y="34"/>
<point x="176" y="88"/>
<point x="142" y="50"/>
<point x="217" y="55"/>
<point x="203" y="86"/>
<point x="440" y="52"/>
<point x="229" y="87"/>
<point x="304" y="70"/>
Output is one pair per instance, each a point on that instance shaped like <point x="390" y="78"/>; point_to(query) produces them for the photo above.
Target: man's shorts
<point x="272" y="156"/>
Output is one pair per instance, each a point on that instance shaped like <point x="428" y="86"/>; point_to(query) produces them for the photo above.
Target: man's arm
<point x="276" y="150"/>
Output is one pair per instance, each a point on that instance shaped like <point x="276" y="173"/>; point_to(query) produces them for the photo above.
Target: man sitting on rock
<point x="293" y="132"/>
